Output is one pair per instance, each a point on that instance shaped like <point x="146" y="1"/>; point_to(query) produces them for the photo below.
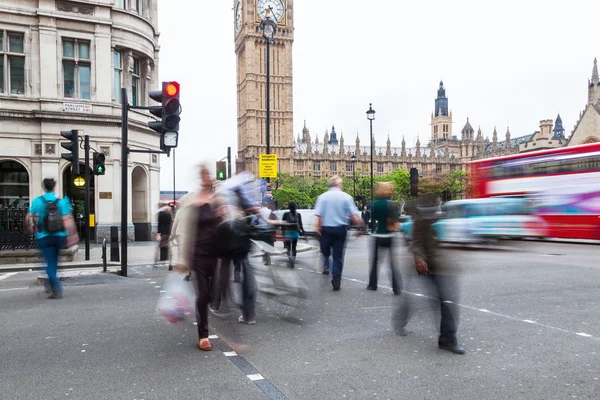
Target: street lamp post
<point x="269" y="27"/>
<point x="353" y="158"/>
<point x="371" y="117"/>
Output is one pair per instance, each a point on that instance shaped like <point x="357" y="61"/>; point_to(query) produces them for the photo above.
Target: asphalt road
<point x="529" y="321"/>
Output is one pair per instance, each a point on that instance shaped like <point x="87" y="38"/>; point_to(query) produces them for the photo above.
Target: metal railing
<point x="13" y="235"/>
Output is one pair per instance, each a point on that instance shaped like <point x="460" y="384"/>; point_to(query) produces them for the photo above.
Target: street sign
<point x="92" y="220"/>
<point x="268" y="166"/>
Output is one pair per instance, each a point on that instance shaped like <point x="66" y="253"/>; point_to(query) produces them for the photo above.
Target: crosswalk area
<point x="7" y="275"/>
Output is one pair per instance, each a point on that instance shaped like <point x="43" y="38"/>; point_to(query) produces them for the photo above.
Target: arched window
<point x="14" y="184"/>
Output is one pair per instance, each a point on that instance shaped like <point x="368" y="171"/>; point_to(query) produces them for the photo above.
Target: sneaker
<point x="243" y="321"/>
<point x="220" y="313"/>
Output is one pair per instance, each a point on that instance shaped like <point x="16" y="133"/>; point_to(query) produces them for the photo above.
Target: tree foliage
<point x="304" y="190"/>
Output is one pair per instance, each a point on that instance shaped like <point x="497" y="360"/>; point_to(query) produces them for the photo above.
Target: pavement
<point x="529" y="321"/>
<point x="138" y="253"/>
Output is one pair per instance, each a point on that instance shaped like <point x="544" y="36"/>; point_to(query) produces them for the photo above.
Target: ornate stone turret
<point x="468" y="132"/>
<point x="305" y="134"/>
<point x="495" y="140"/>
<point x="594" y="85"/>
<point x="559" y="131"/>
<point x="403" y="152"/>
<point x="418" y="147"/>
<point x="357" y="152"/>
<point x="479" y="135"/>
<point x="325" y="142"/>
<point x="333" y="137"/>
<point x="342" y="149"/>
<point x="507" y="144"/>
<point x="388" y="147"/>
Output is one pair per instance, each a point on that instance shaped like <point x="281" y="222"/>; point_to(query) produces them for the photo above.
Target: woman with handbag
<point x="196" y="225"/>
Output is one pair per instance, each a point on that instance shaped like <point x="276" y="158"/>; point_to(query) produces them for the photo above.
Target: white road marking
<point x="230" y="353"/>
<point x="210" y="336"/>
<point x="587" y="335"/>
<point x="7" y="275"/>
<point x="18" y="288"/>
<point x="255" y="377"/>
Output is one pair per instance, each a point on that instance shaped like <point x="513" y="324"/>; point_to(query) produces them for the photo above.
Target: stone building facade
<point x="250" y="50"/>
<point x="587" y="128"/>
<point x="440" y="153"/>
<point x="62" y="64"/>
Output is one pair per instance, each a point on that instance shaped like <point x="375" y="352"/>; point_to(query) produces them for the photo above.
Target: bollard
<point x="114" y="243"/>
<point x="104" y="267"/>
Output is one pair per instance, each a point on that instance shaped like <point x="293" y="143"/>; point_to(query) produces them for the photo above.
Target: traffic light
<point x="99" y="168"/>
<point x="168" y="112"/>
<point x="221" y="170"/>
<point x="73" y="146"/>
<point x="414" y="182"/>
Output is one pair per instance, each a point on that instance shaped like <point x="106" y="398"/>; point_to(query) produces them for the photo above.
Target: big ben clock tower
<point x="250" y="49"/>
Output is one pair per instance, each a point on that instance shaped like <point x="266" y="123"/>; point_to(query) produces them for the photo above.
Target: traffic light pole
<point x="229" y="162"/>
<point x="86" y="145"/>
<point x="124" y="178"/>
<point x="174" y="196"/>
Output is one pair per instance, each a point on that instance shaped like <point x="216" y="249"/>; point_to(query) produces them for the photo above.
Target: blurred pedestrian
<point x="439" y="272"/>
<point x="335" y="210"/>
<point x="165" y="221"/>
<point x="385" y="213"/>
<point x="292" y="232"/>
<point x="196" y="227"/>
<point x="366" y="217"/>
<point x="53" y="223"/>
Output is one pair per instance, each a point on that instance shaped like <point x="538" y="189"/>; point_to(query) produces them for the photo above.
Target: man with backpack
<point x="52" y="220"/>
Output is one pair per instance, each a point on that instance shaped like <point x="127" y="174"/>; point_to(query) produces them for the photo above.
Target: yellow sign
<point x="92" y="220"/>
<point x="79" y="181"/>
<point x="267" y="166"/>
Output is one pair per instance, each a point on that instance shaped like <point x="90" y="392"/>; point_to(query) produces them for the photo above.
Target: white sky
<point x="510" y="62"/>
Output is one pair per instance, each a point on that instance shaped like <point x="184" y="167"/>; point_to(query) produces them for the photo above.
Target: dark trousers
<point x="221" y="288"/>
<point x="202" y="277"/>
<point x="333" y="240"/>
<point x="249" y="289"/>
<point x="443" y="290"/>
<point x="291" y="244"/>
<point x="50" y="247"/>
<point x="385" y="243"/>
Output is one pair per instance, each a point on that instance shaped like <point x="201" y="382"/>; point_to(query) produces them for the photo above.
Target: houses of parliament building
<point x="308" y="155"/>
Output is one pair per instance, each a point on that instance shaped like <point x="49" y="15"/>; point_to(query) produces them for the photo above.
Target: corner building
<point x="62" y="64"/>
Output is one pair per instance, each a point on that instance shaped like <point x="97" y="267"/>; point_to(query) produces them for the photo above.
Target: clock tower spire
<point x="250" y="50"/>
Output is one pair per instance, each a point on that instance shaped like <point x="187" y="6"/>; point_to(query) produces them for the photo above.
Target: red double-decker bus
<point x="563" y="183"/>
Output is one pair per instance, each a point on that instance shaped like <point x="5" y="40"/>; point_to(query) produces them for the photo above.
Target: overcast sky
<point x="503" y="63"/>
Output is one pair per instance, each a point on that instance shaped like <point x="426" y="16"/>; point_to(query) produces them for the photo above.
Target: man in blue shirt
<point x="50" y="216"/>
<point x="335" y="210"/>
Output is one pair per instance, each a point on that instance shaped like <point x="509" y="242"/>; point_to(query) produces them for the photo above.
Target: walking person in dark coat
<point x="440" y="273"/>
<point x="165" y="221"/>
<point x="292" y="233"/>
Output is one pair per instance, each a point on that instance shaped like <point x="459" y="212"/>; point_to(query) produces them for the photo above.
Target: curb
<point x="42" y="267"/>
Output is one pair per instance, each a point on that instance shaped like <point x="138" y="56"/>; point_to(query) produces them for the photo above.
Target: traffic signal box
<point x="73" y="147"/>
<point x="99" y="167"/>
<point x="168" y="112"/>
<point x="414" y="182"/>
<point x="221" y="170"/>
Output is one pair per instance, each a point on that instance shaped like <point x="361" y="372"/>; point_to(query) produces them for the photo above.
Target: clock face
<point x="238" y="16"/>
<point x="276" y="5"/>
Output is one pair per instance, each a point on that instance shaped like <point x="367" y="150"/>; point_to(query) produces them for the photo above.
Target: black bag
<point x="53" y="219"/>
<point x="233" y="238"/>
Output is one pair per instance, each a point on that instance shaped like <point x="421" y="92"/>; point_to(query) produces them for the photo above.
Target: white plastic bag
<point x="177" y="303"/>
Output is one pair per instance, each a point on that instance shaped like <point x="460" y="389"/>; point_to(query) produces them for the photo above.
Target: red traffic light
<point x="172" y="89"/>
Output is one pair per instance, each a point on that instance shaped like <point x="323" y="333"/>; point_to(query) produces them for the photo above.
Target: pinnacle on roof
<point x="495" y="132"/>
<point x="468" y="126"/>
<point x="305" y="129"/>
<point x="595" y="77"/>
